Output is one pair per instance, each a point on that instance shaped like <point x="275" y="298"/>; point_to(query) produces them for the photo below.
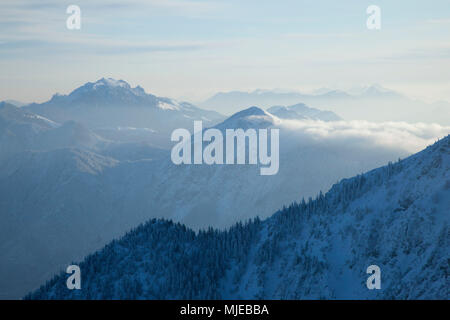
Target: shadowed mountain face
<point x="18" y="129"/>
<point x="373" y="103"/>
<point x="21" y="130"/>
<point x="395" y="217"/>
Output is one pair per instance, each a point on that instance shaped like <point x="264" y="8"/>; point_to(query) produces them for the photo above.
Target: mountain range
<point x="301" y="111"/>
<point x="110" y="105"/>
<point x="70" y="185"/>
<point x="394" y="217"/>
<point x="372" y="103"/>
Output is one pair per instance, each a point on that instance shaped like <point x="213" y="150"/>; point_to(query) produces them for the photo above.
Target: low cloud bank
<point x="408" y="137"/>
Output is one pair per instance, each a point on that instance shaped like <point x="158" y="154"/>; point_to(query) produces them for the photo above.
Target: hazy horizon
<point x="351" y="90"/>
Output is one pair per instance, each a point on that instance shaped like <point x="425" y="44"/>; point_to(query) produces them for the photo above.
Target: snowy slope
<point x="372" y="103"/>
<point x="395" y="217"/>
<point x="252" y="117"/>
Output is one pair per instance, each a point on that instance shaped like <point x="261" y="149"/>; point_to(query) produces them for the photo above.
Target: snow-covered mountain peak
<point x="377" y="91"/>
<point x="252" y="117"/>
<point x="139" y="91"/>
<point x="106" y="86"/>
<point x="252" y="111"/>
<point x="111" y="93"/>
<point x="110" y="82"/>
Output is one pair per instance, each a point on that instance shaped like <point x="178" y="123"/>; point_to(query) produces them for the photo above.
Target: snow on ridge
<point x="167" y="106"/>
<point x="38" y="117"/>
<point x="252" y="117"/>
<point x="134" y="129"/>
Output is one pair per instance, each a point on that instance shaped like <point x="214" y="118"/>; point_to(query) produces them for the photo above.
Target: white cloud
<point x="409" y="137"/>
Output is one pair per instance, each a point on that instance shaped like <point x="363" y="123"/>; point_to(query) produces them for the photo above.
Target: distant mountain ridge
<point x="108" y="104"/>
<point x="395" y="217"/>
<point x="301" y="111"/>
<point x="371" y="103"/>
<point x="15" y="102"/>
<point x="268" y="98"/>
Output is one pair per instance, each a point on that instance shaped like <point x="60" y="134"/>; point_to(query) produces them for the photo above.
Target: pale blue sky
<point x="191" y="49"/>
